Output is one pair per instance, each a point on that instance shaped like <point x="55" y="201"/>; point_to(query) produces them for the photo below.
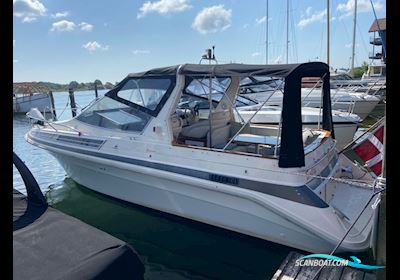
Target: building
<point x="378" y="40"/>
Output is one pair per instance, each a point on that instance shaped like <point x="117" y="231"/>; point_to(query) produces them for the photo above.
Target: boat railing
<point x="311" y="90"/>
<point x="379" y="83"/>
<point x="249" y="120"/>
<point x="50" y="123"/>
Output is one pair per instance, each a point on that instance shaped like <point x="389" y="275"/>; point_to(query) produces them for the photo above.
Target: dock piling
<point x="95" y="90"/>
<point x="72" y="100"/>
<point x="53" y="108"/>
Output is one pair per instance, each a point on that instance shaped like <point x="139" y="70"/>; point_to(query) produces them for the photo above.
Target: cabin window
<point x="112" y="114"/>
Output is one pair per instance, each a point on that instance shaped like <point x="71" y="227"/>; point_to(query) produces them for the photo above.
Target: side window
<point x="146" y="93"/>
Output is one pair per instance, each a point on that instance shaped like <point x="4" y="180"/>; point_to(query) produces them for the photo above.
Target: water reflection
<point x="171" y="247"/>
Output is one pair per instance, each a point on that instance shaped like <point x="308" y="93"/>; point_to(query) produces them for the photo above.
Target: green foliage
<point x="364" y="66"/>
<point x="108" y="85"/>
<point x="54" y="87"/>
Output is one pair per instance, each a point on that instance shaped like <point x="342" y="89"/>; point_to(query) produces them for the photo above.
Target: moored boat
<point x="279" y="183"/>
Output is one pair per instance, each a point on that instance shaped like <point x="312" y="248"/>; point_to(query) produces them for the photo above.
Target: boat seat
<point x="201" y="129"/>
<point x="176" y="125"/>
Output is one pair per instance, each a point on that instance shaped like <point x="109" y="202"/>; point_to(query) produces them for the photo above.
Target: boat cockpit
<point x="197" y="105"/>
<point x="191" y="121"/>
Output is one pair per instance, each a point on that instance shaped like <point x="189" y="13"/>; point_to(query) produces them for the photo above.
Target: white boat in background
<point x="376" y="75"/>
<point x="22" y="103"/>
<point x="345" y="124"/>
<point x="284" y="184"/>
<point x="27" y="95"/>
<point x="351" y="101"/>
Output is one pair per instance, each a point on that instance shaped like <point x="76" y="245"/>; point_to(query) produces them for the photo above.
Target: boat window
<point x="112" y="114"/>
<point x="144" y="92"/>
<point x="259" y="84"/>
<point x="197" y="93"/>
<point x="201" y="86"/>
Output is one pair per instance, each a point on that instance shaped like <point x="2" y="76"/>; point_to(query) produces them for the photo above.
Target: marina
<point x="65" y="192"/>
<point x="255" y="162"/>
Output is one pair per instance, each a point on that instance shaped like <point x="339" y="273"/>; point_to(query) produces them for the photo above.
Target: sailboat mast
<point x="354" y="38"/>
<point x="287" y="31"/>
<point x="266" y="34"/>
<point x="327" y="32"/>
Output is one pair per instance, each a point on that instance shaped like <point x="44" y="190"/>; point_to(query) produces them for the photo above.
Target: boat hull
<point x="361" y="107"/>
<point x="23" y="104"/>
<point x="242" y="211"/>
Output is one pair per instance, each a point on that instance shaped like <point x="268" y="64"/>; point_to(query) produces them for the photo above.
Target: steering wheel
<point x="195" y="110"/>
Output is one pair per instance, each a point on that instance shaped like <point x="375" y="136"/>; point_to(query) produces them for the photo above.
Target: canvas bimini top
<point x="236" y="69"/>
<point x="291" y="150"/>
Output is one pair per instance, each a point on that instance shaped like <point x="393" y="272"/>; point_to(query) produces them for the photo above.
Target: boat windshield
<point x="145" y="92"/>
<point x="131" y="107"/>
<point x="112" y="114"/>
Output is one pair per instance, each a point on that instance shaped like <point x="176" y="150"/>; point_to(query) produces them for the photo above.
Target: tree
<point x="98" y="82"/>
<point x="73" y="85"/>
<point x="108" y="85"/>
<point x="364" y="67"/>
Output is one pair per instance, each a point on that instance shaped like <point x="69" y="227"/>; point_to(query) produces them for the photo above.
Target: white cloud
<point x="347" y="8"/>
<point x="137" y="52"/>
<point x="245" y="25"/>
<point x="94" y="46"/>
<point x="212" y="19"/>
<point x="278" y="60"/>
<point x="14" y="43"/>
<point x="262" y="20"/>
<point x="308" y="11"/>
<point x="255" y="54"/>
<point x="316" y="17"/>
<point x="28" y="8"/>
<point x="86" y="26"/>
<point x="60" y="15"/>
<point x="15" y="60"/>
<point x="63" y="25"/>
<point x="163" y="7"/>
<point x="29" y="19"/>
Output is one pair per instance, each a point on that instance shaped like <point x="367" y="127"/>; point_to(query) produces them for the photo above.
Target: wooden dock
<point x="288" y="271"/>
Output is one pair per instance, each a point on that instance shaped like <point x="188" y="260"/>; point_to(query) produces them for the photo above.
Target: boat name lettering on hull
<point x="224" y="179"/>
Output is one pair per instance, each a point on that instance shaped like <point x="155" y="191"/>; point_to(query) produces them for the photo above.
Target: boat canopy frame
<point x="292" y="150"/>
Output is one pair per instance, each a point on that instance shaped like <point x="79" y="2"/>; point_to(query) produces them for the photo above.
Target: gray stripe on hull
<point x="301" y="194"/>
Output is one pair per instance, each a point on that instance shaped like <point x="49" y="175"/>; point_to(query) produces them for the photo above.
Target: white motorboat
<point x="376" y="73"/>
<point x="284" y="184"/>
<point x="343" y="99"/>
<point x="345" y="124"/>
<point x="22" y="103"/>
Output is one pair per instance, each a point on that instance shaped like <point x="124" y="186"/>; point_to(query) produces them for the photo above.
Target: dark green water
<point x="169" y="246"/>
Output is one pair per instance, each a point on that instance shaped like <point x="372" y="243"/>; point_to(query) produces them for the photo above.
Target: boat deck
<point x="288" y="271"/>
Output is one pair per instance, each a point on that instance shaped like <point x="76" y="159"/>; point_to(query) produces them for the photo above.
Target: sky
<point x="73" y="40"/>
